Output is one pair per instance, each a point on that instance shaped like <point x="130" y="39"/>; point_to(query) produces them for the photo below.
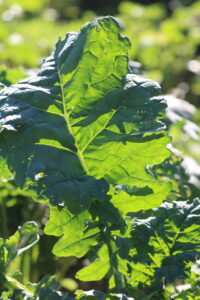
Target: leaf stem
<point x="4" y="219"/>
<point x="12" y="283"/>
<point x="26" y="266"/>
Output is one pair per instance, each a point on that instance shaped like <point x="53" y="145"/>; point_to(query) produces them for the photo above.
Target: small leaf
<point x="97" y="269"/>
<point x="96" y="295"/>
<point x="61" y="221"/>
<point x="23" y="239"/>
<point x="132" y="203"/>
<point x="77" y="236"/>
<point x="76" y="245"/>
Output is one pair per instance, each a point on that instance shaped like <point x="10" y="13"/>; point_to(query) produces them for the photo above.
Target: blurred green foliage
<point x="28" y="31"/>
<point x="168" y="47"/>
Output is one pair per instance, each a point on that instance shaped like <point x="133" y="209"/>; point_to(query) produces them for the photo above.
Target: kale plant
<point x="83" y="136"/>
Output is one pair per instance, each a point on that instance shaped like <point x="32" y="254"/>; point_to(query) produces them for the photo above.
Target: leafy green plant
<point x="83" y="136"/>
<point x="24" y="238"/>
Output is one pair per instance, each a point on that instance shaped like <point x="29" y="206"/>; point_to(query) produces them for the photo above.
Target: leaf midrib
<point x="66" y="117"/>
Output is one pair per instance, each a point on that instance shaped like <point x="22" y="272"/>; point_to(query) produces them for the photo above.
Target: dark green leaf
<point x="166" y="242"/>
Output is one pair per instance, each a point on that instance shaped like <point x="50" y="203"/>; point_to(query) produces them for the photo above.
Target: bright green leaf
<point x="97" y="269"/>
<point x="77" y="236"/>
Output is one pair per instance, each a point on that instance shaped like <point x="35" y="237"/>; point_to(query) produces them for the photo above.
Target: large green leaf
<point x="82" y="123"/>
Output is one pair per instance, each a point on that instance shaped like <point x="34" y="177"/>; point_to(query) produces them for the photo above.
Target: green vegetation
<point x="166" y="45"/>
<point x="87" y="139"/>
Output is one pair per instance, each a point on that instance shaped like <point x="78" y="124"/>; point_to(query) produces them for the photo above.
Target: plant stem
<point x="114" y="264"/>
<point x="35" y="274"/>
<point x="26" y="266"/>
<point x="4" y="219"/>
<point x="12" y="283"/>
